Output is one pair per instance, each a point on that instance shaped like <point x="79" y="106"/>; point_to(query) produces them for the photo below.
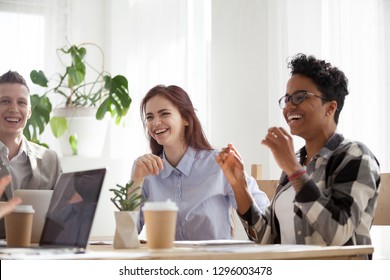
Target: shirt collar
<point x="2" y="146"/>
<point x="333" y="142"/>
<point x="184" y="165"/>
<point x="22" y="150"/>
<point x="3" y="151"/>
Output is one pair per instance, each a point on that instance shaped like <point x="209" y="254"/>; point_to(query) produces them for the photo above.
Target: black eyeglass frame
<point x="287" y="98"/>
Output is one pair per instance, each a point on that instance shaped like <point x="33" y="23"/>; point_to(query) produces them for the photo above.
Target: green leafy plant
<point x="127" y="198"/>
<point x="108" y="94"/>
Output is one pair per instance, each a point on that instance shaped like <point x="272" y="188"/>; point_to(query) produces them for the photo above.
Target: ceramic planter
<point x="91" y="133"/>
<point x="126" y="233"/>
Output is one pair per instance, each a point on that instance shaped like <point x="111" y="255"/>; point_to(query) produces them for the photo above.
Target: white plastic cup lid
<point x="167" y="205"/>
<point x="24" y="209"/>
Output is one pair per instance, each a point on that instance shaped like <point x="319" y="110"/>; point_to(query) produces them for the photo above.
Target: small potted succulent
<point x="127" y="200"/>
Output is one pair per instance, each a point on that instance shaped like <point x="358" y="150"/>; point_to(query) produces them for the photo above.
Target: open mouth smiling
<point x="160" y="131"/>
<point x="292" y="118"/>
<point x="12" y="119"/>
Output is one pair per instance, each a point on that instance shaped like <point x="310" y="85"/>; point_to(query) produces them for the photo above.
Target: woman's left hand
<point x="231" y="164"/>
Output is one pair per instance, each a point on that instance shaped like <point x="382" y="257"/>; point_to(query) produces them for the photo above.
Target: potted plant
<point x="127" y="200"/>
<point x="93" y="92"/>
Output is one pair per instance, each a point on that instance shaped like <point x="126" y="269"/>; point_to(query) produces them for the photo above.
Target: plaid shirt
<point x="336" y="205"/>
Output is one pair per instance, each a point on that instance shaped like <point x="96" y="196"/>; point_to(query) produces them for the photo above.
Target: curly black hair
<point x="330" y="81"/>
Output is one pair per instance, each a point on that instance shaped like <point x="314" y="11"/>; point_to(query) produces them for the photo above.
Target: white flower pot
<point x="91" y="133"/>
<point x="126" y="233"/>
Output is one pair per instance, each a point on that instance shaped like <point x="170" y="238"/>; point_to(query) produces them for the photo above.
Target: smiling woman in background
<point x="182" y="168"/>
<point x="327" y="192"/>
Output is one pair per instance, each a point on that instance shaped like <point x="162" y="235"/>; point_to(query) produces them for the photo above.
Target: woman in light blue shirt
<point x="182" y="167"/>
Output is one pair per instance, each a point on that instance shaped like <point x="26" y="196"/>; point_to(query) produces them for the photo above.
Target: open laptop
<point x="70" y="215"/>
<point x="40" y="200"/>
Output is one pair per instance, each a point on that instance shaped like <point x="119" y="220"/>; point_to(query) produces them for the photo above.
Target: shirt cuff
<point x="247" y="216"/>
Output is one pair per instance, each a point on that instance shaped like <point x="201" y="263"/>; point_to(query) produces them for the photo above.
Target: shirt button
<point x="299" y="232"/>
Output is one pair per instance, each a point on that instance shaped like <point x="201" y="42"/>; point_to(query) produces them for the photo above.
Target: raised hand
<point x="146" y="165"/>
<point x="231" y="164"/>
<point x="280" y="142"/>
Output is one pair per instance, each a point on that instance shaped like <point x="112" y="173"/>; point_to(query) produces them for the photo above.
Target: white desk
<point x="234" y="252"/>
<point x="246" y="251"/>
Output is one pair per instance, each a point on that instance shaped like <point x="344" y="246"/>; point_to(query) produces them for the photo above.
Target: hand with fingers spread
<point x="7" y="207"/>
<point x="146" y="165"/>
<point x="280" y="142"/>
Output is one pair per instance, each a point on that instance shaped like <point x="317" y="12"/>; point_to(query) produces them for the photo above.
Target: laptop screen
<point x="72" y="208"/>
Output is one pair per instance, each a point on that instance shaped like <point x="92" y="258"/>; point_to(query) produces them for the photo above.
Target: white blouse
<point x="284" y="210"/>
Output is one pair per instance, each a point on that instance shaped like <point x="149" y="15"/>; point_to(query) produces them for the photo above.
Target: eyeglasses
<point x="296" y="98"/>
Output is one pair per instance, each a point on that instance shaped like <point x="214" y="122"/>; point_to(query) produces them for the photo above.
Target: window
<point x="34" y="29"/>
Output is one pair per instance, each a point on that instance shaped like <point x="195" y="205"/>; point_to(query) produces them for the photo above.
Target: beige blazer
<point x="45" y="166"/>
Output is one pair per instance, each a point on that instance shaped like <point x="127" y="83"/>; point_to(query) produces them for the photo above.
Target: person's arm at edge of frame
<point x="7" y="207"/>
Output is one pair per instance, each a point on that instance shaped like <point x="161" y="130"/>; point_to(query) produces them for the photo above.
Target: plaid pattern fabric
<point x="337" y="203"/>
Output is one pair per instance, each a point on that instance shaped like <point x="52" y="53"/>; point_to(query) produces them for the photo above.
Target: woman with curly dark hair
<point x="327" y="192"/>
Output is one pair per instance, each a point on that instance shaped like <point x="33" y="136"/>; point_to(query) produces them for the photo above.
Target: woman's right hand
<point x="146" y="165"/>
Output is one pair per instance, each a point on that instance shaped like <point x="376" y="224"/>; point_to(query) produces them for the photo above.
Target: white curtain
<point x="159" y="42"/>
<point x="351" y="34"/>
<point x="31" y="31"/>
<point x="353" y="37"/>
<point x="168" y="42"/>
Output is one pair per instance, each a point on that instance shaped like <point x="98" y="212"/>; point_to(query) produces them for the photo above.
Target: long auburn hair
<point x="193" y="133"/>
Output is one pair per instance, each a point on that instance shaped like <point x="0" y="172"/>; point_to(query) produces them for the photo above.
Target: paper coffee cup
<point x="18" y="226"/>
<point x="160" y="220"/>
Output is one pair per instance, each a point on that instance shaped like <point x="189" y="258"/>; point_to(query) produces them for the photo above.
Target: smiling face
<point x="313" y="117"/>
<point x="164" y="122"/>
<point x="15" y="110"/>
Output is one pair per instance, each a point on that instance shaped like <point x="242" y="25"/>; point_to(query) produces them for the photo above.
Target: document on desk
<point x="245" y="248"/>
<point x="16" y="254"/>
<point x="186" y="243"/>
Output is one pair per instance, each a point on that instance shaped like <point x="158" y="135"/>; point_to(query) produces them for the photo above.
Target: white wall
<point x="90" y="21"/>
<point x="387" y="72"/>
<point x="239" y="78"/>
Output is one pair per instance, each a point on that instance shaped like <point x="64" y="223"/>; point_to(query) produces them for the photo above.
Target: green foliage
<point x="40" y="117"/>
<point x="109" y="94"/>
<point x="127" y="198"/>
<point x="73" y="141"/>
<point x="58" y="126"/>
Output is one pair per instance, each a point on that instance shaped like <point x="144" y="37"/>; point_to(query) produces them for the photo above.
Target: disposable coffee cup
<point x="160" y="221"/>
<point x="18" y="226"/>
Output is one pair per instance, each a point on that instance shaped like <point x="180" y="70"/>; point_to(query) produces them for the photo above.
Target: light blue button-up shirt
<point x="202" y="194"/>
